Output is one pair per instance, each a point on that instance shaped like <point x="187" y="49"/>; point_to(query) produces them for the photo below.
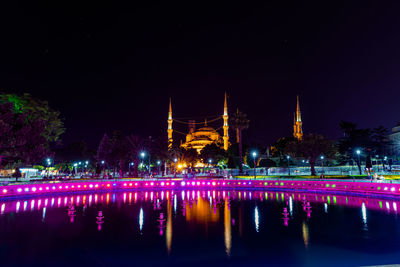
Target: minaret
<point x="170" y="125"/>
<point x="298" y="124"/>
<point x="225" y="126"/>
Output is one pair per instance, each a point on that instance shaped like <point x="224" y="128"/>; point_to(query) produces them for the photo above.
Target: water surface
<point x="199" y="227"/>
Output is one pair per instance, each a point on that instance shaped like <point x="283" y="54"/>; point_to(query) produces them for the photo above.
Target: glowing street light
<point x="254" y="162"/>
<point x="358" y="152"/>
<point x="158" y="166"/>
<point x="142" y="155"/>
<point x="288" y="166"/>
<point x="322" y="161"/>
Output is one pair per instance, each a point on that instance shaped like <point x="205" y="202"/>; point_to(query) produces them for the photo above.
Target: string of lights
<point x="184" y="122"/>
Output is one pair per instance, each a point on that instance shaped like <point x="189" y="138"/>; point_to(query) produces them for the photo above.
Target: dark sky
<point x="114" y="65"/>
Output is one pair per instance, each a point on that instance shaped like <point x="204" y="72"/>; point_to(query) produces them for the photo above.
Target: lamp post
<point x="86" y="165"/>
<point x="159" y="166"/>
<point x="129" y="167"/>
<point x="75" y="167"/>
<point x="322" y="162"/>
<point x="358" y="152"/>
<point x="288" y="166"/>
<point x="48" y="166"/>
<point x="384" y="163"/>
<point x="102" y="166"/>
<point x="175" y="160"/>
<point x="254" y="162"/>
<point x="142" y="155"/>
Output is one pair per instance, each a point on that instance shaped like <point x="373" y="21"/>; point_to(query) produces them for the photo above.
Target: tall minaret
<point x="298" y="124"/>
<point x="225" y="126"/>
<point x="170" y="125"/>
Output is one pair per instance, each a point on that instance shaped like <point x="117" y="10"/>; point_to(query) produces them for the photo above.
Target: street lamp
<point x="175" y="160"/>
<point x="288" y="166"/>
<point x="48" y="166"/>
<point x="358" y="152"/>
<point x="142" y="155"/>
<point x="322" y="161"/>
<point x="75" y="166"/>
<point x="158" y="166"/>
<point x="102" y="167"/>
<point x="384" y="163"/>
<point x="254" y="162"/>
<point x="129" y="167"/>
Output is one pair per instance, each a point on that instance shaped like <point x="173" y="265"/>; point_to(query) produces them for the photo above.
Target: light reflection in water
<point x="227" y="228"/>
<point x="204" y="207"/>
<point x="141" y="219"/>
<point x="364" y="216"/>
<point x="43" y="214"/>
<point x="306" y="236"/>
<point x="168" y="235"/>
<point x="175" y="203"/>
<point x="256" y="219"/>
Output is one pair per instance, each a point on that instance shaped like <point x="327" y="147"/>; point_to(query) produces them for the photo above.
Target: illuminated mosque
<point x="297" y="123"/>
<point x="205" y="135"/>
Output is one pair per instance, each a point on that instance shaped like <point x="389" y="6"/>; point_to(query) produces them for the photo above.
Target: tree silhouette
<point x="311" y="147"/>
<point x="239" y="122"/>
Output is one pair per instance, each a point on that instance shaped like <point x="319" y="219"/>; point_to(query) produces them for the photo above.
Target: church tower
<point x="225" y="126"/>
<point x="298" y="124"/>
<point x="170" y="125"/>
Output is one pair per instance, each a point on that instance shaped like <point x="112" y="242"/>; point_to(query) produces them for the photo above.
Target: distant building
<point x="394" y="139"/>
<point x="199" y="138"/>
<point x="297" y="123"/>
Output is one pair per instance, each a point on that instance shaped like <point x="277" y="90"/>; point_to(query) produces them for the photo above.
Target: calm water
<point x="199" y="227"/>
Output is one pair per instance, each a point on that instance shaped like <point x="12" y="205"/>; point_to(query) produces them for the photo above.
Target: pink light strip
<point x="311" y="185"/>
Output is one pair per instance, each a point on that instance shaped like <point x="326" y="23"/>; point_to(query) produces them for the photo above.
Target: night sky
<point x="109" y="66"/>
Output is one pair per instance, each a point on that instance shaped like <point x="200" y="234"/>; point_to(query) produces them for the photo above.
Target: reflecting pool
<point x="199" y="227"/>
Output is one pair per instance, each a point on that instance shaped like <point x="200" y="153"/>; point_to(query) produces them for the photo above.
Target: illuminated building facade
<point x="297" y="123"/>
<point x="394" y="140"/>
<point x="199" y="138"/>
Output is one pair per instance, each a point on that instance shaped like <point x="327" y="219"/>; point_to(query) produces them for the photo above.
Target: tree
<point x="311" y="147"/>
<point x="21" y="140"/>
<point x="190" y="156"/>
<point x="240" y="122"/>
<point x="37" y="109"/>
<point x="213" y="152"/>
<point x="369" y="141"/>
<point x="135" y="145"/>
<point x="104" y="149"/>
<point x="119" y="151"/>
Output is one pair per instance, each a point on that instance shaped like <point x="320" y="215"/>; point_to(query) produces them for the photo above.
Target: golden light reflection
<point x="306" y="237"/>
<point x="227" y="228"/>
<point x="201" y="212"/>
<point x="168" y="235"/>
